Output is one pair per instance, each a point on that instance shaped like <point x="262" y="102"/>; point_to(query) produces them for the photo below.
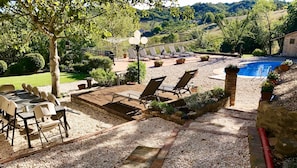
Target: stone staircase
<point x="226" y="122"/>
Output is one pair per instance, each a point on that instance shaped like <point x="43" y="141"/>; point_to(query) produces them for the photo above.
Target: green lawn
<point x="40" y="79"/>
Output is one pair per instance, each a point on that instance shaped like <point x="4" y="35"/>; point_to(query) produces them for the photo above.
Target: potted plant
<point x="273" y="77"/>
<point x="231" y="69"/>
<point x="180" y="61"/>
<point x="266" y="90"/>
<point x="204" y="58"/>
<point x="158" y="63"/>
<point x="285" y="65"/>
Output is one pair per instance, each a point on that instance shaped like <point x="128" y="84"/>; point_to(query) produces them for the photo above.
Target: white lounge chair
<point x="133" y="56"/>
<point x="154" y="53"/>
<point x="143" y="54"/>
<point x="182" y="50"/>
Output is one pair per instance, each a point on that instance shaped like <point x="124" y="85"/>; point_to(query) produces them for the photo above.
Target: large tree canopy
<point x="53" y="17"/>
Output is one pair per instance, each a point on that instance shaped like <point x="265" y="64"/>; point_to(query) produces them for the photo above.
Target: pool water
<point x="258" y="69"/>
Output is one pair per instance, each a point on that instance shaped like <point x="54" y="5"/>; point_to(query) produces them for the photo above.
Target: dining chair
<point x="43" y="112"/>
<point x="35" y="91"/>
<point x="9" y="118"/>
<point x="43" y="95"/>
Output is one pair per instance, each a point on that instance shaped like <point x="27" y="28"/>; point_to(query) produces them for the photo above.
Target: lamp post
<point x="137" y="40"/>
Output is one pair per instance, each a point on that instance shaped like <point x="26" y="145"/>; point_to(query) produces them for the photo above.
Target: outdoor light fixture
<point x="137" y="40"/>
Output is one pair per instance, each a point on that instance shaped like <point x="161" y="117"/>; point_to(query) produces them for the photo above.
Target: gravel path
<point x="213" y="140"/>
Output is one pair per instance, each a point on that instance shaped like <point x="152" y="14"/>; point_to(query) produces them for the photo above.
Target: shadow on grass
<point x="77" y="76"/>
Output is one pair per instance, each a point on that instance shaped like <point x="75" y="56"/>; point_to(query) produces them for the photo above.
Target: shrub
<point x="199" y="100"/>
<point x="100" y="62"/>
<point x="132" y="72"/>
<point x="3" y="66"/>
<point x="81" y="67"/>
<point x="15" y="69"/>
<point x="259" y="52"/>
<point x="32" y="62"/>
<point x="104" y="78"/>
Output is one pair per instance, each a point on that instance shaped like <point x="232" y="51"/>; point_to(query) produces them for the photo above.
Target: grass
<point x="40" y="79"/>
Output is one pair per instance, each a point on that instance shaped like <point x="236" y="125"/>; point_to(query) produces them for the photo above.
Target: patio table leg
<point x="27" y="132"/>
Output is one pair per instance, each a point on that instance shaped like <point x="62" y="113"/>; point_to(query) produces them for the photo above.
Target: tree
<point x="233" y="30"/>
<point x="209" y="17"/>
<point x="53" y="17"/>
<point x="262" y="9"/>
<point x="291" y="20"/>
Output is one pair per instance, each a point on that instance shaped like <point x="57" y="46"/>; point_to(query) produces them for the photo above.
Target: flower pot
<point x="266" y="96"/>
<point x="284" y="67"/>
<point x="204" y="58"/>
<point x="158" y="64"/>
<point x="125" y="55"/>
<point x="180" y="61"/>
<point x="81" y="86"/>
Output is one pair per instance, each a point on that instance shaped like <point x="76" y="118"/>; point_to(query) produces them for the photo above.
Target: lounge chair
<point x="6" y="88"/>
<point x="143" y="54"/>
<point x="154" y="53"/>
<point x="182" y="85"/>
<point x="133" y="56"/>
<point x="149" y="93"/>
<point x="174" y="52"/>
<point x="182" y="50"/>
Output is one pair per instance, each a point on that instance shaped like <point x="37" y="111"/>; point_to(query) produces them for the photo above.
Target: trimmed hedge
<point x="259" y="52"/>
<point x="33" y="62"/>
<point x="3" y="67"/>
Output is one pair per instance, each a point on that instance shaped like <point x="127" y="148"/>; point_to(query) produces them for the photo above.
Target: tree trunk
<point x="54" y="66"/>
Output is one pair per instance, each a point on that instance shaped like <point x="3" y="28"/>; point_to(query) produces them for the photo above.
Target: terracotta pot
<point x="125" y="55"/>
<point x="180" y="61"/>
<point x="284" y="67"/>
<point x="158" y="64"/>
<point x="266" y="96"/>
<point x="81" y="86"/>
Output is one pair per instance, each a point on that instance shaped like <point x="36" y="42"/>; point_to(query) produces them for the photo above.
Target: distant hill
<point x="228" y="9"/>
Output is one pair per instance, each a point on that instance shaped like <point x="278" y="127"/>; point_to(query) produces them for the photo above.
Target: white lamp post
<point x="137" y="40"/>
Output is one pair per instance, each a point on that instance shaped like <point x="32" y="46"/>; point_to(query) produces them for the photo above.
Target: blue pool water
<point x="257" y="69"/>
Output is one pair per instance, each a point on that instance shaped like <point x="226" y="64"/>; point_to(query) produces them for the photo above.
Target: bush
<point x="259" y="52"/>
<point x="81" y="67"/>
<point x="32" y="62"/>
<point x="3" y="67"/>
<point x="100" y="62"/>
<point x="104" y="78"/>
<point x="15" y="69"/>
<point x="132" y="72"/>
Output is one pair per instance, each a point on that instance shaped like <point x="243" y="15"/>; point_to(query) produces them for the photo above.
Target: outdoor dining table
<point x="26" y="102"/>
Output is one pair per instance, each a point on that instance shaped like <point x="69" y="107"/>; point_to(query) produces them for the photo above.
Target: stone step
<point x="238" y="114"/>
<point x="141" y="157"/>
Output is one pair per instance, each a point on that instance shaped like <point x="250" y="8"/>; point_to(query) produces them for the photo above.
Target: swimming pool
<point x="257" y="69"/>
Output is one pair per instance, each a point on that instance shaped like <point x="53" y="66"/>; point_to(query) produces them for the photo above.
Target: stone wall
<point x="282" y="123"/>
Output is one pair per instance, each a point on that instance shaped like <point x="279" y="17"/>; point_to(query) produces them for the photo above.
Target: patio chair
<point x="154" y="53"/>
<point x="174" y="52"/>
<point x="35" y="91"/>
<point x="143" y="54"/>
<point x="6" y="88"/>
<point x="182" y="85"/>
<point x="133" y="56"/>
<point x="182" y="50"/>
<point x="149" y="93"/>
<point x="43" y="95"/>
<point x="9" y="118"/>
<point x="52" y="98"/>
<point x="164" y="52"/>
<point x="43" y="112"/>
